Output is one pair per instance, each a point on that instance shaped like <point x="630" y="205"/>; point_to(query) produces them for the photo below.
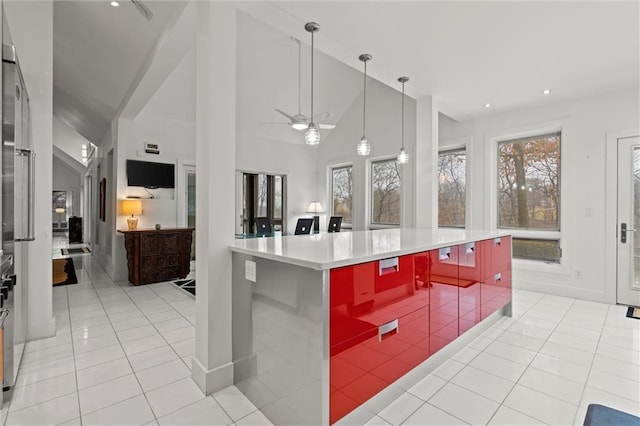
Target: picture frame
<point x="103" y="195"/>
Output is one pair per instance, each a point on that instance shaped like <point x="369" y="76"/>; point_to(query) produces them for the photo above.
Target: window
<point x="385" y="192"/>
<point x="263" y="197"/>
<point x="342" y="193"/>
<point x="529" y="195"/>
<point x="452" y="188"/>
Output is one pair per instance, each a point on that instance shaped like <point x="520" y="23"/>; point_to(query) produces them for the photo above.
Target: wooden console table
<point x="157" y="255"/>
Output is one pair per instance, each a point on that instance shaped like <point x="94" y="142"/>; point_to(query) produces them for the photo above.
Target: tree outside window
<point x="342" y="193"/>
<point x="529" y="194"/>
<point x="385" y="192"/>
<point x="452" y="165"/>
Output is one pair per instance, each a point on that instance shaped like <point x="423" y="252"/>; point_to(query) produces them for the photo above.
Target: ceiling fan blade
<point x="290" y="117"/>
<point x="327" y="126"/>
<point x="322" y="116"/>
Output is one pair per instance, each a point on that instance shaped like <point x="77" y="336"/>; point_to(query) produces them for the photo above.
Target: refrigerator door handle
<point x="30" y="155"/>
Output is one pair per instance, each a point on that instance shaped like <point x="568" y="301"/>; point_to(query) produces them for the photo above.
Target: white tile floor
<point x="122" y="355"/>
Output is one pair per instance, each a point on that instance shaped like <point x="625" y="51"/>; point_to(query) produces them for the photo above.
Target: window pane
<point x="261" y="205"/>
<point x="277" y="197"/>
<point x="533" y="249"/>
<point x="385" y="192"/>
<point x="451" y="187"/>
<point x="528" y="183"/>
<point x="342" y="192"/>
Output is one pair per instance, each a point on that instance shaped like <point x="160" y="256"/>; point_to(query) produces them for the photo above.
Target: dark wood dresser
<point x="157" y="255"/>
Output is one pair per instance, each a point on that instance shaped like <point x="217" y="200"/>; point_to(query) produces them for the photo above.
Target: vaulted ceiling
<point x="465" y="53"/>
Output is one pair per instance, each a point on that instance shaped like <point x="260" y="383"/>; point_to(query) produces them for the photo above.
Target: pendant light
<point x="312" y="134"/>
<point x="363" y="146"/>
<point x="403" y="157"/>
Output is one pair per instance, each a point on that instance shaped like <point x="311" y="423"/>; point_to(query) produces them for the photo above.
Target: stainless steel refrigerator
<point x="17" y="207"/>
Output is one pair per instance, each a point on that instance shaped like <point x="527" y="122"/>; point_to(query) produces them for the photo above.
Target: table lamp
<point x="315" y="207"/>
<point x="132" y="207"/>
<point x="60" y="212"/>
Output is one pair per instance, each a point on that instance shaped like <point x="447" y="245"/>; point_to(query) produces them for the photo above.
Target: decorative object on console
<point x="363" y="146"/>
<point x="315" y="207"/>
<point x="403" y="157"/>
<point x="133" y="207"/>
<point x="312" y="134"/>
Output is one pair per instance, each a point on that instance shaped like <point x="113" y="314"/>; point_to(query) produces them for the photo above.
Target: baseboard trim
<point x="213" y="380"/>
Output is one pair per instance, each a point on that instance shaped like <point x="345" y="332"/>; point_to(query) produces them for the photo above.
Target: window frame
<point x="369" y="197"/>
<point x="344" y="224"/>
<point x="493" y="140"/>
<point x="452" y="148"/>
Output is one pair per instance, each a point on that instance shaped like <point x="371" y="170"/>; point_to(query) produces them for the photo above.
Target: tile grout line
<point x="529" y="365"/>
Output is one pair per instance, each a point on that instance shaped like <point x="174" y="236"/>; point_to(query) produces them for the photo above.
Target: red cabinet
<point x="470" y="277"/>
<point x="495" y="290"/>
<point x="388" y="316"/>
<point x="379" y="317"/>
<point x="443" y="306"/>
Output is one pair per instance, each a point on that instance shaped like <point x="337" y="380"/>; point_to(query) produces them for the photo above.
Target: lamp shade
<point x="132" y="207"/>
<point x="59" y="210"/>
<point x="315" y="207"/>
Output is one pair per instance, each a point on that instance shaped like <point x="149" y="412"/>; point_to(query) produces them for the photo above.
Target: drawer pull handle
<point x="387" y="328"/>
<point x="497" y="241"/>
<point x="388" y="266"/>
<point x="469" y="248"/>
<point x="444" y="253"/>
<point x="497" y="277"/>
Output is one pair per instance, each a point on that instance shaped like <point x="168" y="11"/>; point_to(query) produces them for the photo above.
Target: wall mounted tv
<point x="150" y="174"/>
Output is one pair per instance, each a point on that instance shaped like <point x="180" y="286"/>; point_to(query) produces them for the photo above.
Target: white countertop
<point x="331" y="250"/>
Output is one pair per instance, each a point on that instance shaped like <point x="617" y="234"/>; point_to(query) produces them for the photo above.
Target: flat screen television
<point x="150" y="175"/>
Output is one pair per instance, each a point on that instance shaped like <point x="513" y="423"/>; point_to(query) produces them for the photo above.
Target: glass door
<point x="629" y="221"/>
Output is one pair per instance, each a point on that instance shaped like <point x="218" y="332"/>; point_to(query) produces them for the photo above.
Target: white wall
<point x="176" y="141"/>
<point x="31" y="25"/>
<point x="66" y="178"/>
<point x="585" y="123"/>
<point x="383" y="131"/>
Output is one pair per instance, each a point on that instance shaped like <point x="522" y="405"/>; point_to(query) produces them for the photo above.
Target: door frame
<point x="611" y="212"/>
<point x="181" y="196"/>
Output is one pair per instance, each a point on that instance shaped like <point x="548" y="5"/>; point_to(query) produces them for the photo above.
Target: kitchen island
<point x="322" y="323"/>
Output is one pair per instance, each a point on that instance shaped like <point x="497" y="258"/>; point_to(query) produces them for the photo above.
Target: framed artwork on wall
<point x="103" y="195"/>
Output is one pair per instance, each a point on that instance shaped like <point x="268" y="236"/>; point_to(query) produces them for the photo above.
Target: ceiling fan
<point x="300" y="121"/>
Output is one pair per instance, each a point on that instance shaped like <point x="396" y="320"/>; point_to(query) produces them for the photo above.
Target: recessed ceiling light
<point x="546" y="91"/>
<point x="487" y="105"/>
<point x="114" y="3"/>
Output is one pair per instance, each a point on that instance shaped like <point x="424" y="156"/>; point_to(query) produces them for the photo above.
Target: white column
<point x="426" y="164"/>
<point x="215" y="163"/>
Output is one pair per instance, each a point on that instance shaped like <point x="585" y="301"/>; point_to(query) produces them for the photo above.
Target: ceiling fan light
<point x="299" y="123"/>
<point x="363" y="147"/>
<point x="403" y="157"/>
<point x="312" y="134"/>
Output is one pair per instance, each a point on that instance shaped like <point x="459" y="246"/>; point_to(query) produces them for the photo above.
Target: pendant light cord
<point x="311" y="117"/>
<point x="364" y="104"/>
<point x="402" y="115"/>
<point x="299" y="76"/>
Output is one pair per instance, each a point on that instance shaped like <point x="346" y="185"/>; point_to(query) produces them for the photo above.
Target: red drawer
<point x="497" y="255"/>
<point x="359" y="372"/>
<point x="368" y="295"/>
<point x="495" y="292"/>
